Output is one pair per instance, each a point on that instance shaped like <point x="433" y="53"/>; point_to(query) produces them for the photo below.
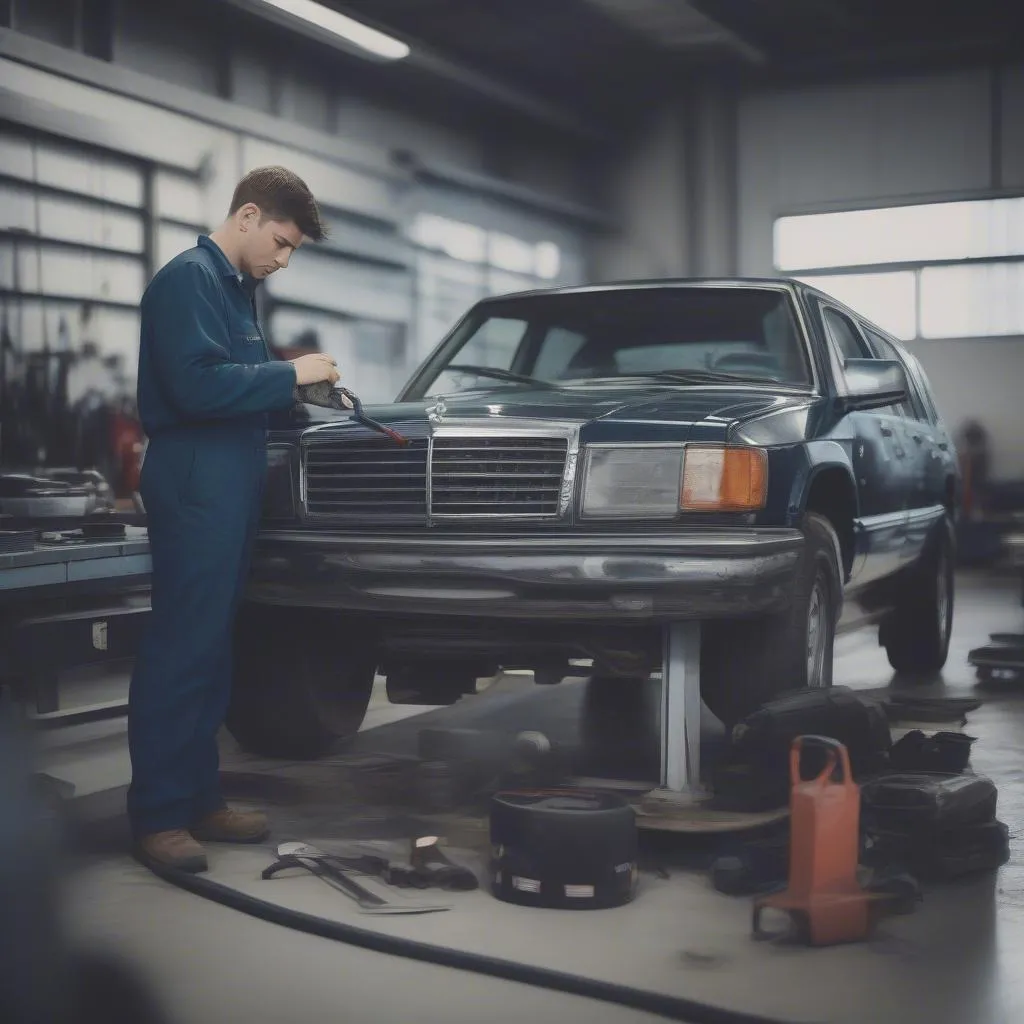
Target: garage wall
<point x="646" y="194"/>
<point x="342" y="143"/>
<point x="923" y="138"/>
<point x="864" y="144"/>
<point x="112" y="167"/>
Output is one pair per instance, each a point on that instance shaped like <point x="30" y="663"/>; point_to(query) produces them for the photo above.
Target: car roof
<point x="771" y="283"/>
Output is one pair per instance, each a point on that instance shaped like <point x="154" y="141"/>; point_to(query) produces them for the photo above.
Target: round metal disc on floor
<point x="670" y="812"/>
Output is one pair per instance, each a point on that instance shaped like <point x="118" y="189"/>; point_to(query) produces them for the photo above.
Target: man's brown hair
<point x="281" y="195"/>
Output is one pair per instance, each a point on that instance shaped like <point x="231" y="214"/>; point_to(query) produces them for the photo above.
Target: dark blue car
<point x="584" y="466"/>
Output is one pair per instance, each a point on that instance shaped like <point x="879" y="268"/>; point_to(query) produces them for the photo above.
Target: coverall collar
<point x="227" y="269"/>
<point x="223" y="263"/>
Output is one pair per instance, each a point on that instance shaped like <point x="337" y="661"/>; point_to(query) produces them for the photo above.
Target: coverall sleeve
<point x="191" y="350"/>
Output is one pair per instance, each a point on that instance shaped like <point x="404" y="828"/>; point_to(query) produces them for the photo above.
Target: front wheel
<point x="746" y="662"/>
<point x="300" y="685"/>
<point x="916" y="634"/>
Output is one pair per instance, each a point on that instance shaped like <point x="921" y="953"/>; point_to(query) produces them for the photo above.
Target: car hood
<point x="603" y="411"/>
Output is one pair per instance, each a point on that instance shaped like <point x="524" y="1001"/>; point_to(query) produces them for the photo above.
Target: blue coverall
<point x="206" y="386"/>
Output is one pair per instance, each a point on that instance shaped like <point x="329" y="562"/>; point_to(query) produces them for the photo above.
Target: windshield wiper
<point x="499" y="374"/>
<point x="710" y="376"/>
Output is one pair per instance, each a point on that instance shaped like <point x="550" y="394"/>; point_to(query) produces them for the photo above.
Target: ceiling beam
<point x="747" y="50"/>
<point x="678" y="26"/>
<point x="741" y="41"/>
<point x="429" y="61"/>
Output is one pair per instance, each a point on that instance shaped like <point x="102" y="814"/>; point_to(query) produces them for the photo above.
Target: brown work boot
<point x="174" y="848"/>
<point x="230" y="826"/>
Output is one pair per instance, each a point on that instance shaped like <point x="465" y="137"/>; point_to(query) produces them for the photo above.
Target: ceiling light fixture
<point x="337" y="24"/>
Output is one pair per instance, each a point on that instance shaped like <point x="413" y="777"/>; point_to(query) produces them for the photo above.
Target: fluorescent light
<point x="369" y="39"/>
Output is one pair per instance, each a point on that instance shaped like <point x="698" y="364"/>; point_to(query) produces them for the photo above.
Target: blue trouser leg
<point x="201" y="493"/>
<point x="208" y="794"/>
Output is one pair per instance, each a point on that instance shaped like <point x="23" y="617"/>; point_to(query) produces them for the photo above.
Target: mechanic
<point x="206" y="386"/>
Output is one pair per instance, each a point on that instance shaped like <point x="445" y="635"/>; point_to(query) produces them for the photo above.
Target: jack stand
<point x="680" y="708"/>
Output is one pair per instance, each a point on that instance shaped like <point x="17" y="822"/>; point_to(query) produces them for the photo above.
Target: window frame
<point x="835" y="353"/>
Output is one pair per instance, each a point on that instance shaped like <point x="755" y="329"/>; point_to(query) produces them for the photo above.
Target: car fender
<point x="821" y="456"/>
<point x="828" y="457"/>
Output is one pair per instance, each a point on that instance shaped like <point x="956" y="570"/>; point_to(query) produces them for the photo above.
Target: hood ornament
<point x="437" y="411"/>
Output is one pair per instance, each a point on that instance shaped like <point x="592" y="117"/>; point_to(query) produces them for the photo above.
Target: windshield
<point x="673" y="334"/>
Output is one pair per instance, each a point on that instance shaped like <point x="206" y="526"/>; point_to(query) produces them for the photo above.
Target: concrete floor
<point x="949" y="961"/>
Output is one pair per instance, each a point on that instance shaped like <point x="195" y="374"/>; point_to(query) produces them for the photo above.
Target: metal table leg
<point x="680" y="708"/>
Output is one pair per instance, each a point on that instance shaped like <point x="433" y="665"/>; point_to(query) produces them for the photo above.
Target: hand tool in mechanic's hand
<point x="334" y="397"/>
<point x="336" y="871"/>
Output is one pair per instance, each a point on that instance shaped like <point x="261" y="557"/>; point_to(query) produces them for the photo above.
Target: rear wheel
<point x="916" y="634"/>
<point x="749" y="661"/>
<point x="300" y="685"/>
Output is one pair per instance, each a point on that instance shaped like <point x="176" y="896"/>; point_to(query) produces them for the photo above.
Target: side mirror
<point x="874" y="383"/>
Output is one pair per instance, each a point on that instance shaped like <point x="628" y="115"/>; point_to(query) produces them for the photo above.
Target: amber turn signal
<point x="723" y="479"/>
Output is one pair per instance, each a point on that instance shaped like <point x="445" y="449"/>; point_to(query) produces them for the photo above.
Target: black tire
<point x="746" y="662"/>
<point x="563" y="841"/>
<point x="300" y="685"/>
<point x="916" y="634"/>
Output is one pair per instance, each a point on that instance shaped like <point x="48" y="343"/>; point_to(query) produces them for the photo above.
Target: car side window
<point x="847" y="342"/>
<point x="845" y="335"/>
<point x="922" y="387"/>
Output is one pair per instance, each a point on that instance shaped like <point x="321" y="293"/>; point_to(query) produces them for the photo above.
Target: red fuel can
<point x="823" y="898"/>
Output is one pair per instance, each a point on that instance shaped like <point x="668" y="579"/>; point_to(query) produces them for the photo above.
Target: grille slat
<point x="506" y="476"/>
<point x="363" y="479"/>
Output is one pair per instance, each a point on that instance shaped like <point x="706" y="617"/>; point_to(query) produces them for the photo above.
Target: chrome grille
<point x="366" y="479"/>
<point x="496" y="476"/>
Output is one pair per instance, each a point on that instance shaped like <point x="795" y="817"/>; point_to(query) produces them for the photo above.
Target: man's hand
<point x="313" y="369"/>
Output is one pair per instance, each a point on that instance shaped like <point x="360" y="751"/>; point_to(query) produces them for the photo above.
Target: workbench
<point x="68" y="603"/>
<point x="25" y="575"/>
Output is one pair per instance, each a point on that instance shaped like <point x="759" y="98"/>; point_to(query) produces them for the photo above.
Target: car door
<point x="880" y="465"/>
<point x="925" y="502"/>
<point x="936" y="461"/>
<point x="942" y="468"/>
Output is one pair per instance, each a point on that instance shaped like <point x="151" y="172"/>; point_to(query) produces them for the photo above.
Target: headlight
<point x="632" y="481"/>
<point x="279" y="494"/>
<point x="648" y="481"/>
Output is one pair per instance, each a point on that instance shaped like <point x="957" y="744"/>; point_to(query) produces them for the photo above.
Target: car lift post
<point x="680" y="708"/>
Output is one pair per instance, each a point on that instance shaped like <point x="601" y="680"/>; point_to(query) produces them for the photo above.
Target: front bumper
<point x="646" y="577"/>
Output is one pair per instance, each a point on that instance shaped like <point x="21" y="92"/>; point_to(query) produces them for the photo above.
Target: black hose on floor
<point x="671" y="1007"/>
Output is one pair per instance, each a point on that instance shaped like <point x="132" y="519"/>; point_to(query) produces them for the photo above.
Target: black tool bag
<point x="946" y="752"/>
<point x="941" y="856"/>
<point x="754" y="773"/>
<point x="924" y="803"/>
